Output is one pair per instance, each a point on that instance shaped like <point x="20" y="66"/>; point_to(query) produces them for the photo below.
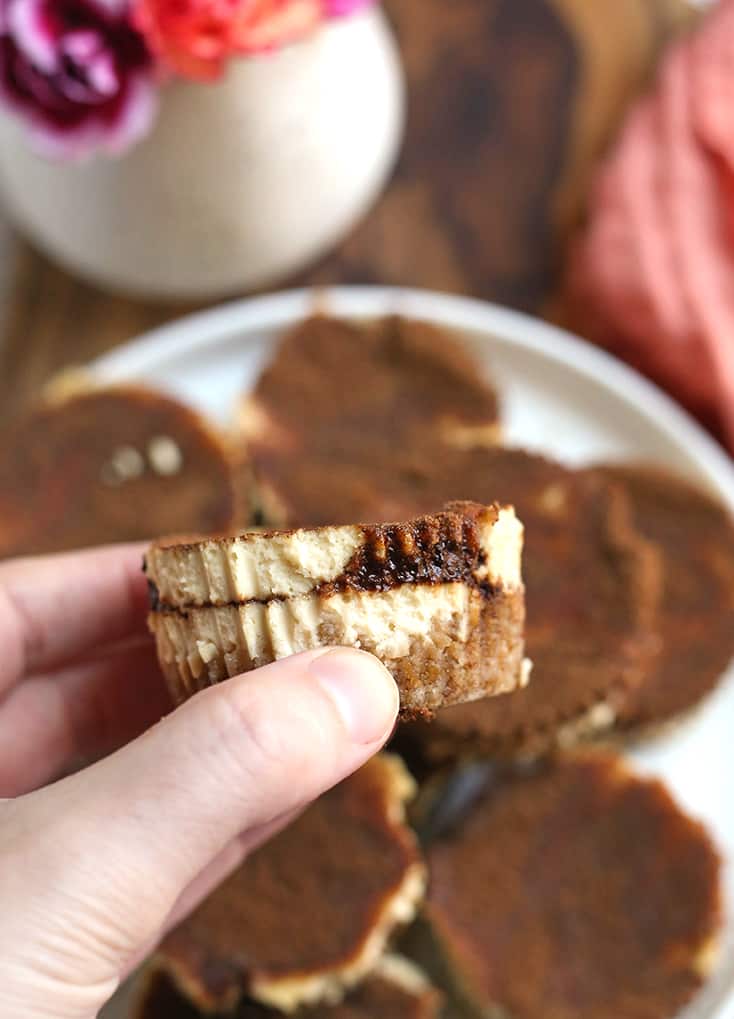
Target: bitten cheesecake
<point x="308" y="915"/>
<point x="89" y="465"/>
<point x="576" y="889"/>
<point x="438" y="599"/>
<point x="396" y="989"/>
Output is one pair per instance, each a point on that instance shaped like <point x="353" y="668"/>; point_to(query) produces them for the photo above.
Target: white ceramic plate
<point x="560" y="396"/>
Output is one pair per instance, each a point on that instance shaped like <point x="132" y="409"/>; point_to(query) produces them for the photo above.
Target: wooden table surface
<point x="510" y="102"/>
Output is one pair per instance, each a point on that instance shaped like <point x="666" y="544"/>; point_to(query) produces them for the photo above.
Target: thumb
<point x="122" y="841"/>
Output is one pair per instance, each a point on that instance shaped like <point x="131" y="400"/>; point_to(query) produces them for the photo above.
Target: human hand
<point x="97" y="866"/>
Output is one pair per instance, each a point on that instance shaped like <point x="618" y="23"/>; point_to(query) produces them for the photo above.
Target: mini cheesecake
<point x="438" y="599"/>
<point x="695" y="536"/>
<point x="340" y="399"/>
<point x="576" y="889"/>
<point x="396" y="989"/>
<point x="308" y="915"/>
<point x="90" y="465"/>
<point x="592" y="588"/>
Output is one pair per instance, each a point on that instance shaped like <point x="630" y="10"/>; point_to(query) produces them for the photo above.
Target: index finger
<point x="55" y="609"/>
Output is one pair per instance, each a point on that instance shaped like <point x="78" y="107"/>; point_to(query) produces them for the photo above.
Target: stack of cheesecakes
<point x="439" y="599"/>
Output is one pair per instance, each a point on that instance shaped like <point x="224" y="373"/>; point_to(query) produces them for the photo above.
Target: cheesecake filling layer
<point x="481" y="548"/>
<point x="388" y="625"/>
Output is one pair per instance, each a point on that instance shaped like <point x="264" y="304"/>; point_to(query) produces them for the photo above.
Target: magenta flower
<point x="77" y="73"/>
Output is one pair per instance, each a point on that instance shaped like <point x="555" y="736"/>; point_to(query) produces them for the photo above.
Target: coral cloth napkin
<point x="651" y="276"/>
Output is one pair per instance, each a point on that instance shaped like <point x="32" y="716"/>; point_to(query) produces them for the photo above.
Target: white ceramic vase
<point x="239" y="184"/>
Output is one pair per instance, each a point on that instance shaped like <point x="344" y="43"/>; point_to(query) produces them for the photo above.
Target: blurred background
<point x="511" y="105"/>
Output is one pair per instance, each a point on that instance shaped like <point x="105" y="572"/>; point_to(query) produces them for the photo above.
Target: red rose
<point x="196" y="37"/>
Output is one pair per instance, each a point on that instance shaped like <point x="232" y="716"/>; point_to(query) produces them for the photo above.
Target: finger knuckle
<point x="246" y="729"/>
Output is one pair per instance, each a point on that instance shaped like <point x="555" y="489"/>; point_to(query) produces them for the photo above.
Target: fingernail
<point x="362" y="691"/>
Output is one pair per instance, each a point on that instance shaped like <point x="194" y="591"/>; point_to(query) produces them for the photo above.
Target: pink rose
<point x="77" y="73"/>
<point x="196" y="37"/>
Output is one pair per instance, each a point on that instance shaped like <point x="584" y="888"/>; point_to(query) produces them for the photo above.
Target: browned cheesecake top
<point x="340" y="399"/>
<point x="695" y="535"/>
<point x="113" y="464"/>
<point x="304" y="904"/>
<point x="377" y="998"/>
<point x="384" y="378"/>
<point x="579" y="890"/>
<point x="591" y="592"/>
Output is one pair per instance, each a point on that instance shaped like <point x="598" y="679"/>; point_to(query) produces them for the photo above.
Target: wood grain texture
<point x="492" y="85"/>
<point x="618" y="56"/>
<point x="510" y="102"/>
